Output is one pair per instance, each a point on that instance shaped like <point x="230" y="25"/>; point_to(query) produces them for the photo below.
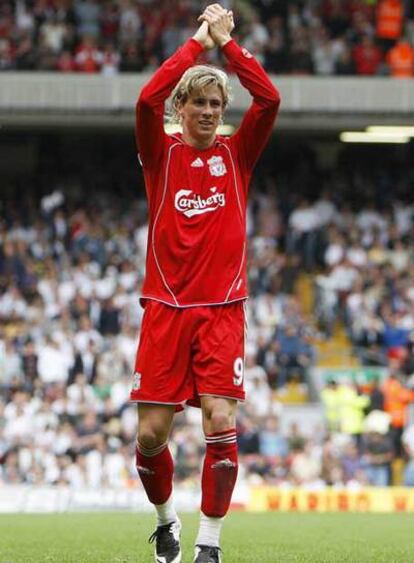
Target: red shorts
<point x="186" y="353"/>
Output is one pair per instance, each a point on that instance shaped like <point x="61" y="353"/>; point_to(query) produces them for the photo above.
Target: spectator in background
<point x="11" y="372"/>
<point x="66" y="62"/>
<point x="7" y="55"/>
<point x="352" y="406"/>
<point x="30" y="361"/>
<point x="171" y="38"/>
<point x="53" y="366"/>
<point x="89" y="433"/>
<point x="294" y="355"/>
<point x="132" y="58"/>
<point x="88" y="57"/>
<point x="88" y="14"/>
<point x="376" y="396"/>
<point x="344" y="65"/>
<point x="247" y="436"/>
<point x="130" y="24"/>
<point x="408" y="443"/>
<point x="324" y="53"/>
<point x="394" y="337"/>
<point x="86" y="362"/>
<point x="109" y="319"/>
<point x="396" y="400"/>
<point x="303" y="224"/>
<point x="377" y="452"/>
<point x="110" y="60"/>
<point x="305" y="466"/>
<point x="257" y="34"/>
<point x="352" y="465"/>
<point x="367" y="57"/>
<point x="258" y="392"/>
<point x="275" y="48"/>
<point x="400" y="59"/>
<point x="300" y="61"/>
<point x="389" y="20"/>
<point x="335" y="249"/>
<point x="110" y="21"/>
<point x="272" y="443"/>
<point x="331" y="400"/>
<point x="81" y="397"/>
<point x="86" y="334"/>
<point x="53" y="34"/>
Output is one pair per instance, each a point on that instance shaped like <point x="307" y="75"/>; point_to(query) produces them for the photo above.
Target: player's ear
<point x="178" y="106"/>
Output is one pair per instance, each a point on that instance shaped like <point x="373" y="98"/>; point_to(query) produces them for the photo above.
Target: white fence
<point x="68" y="93"/>
<point x="42" y="499"/>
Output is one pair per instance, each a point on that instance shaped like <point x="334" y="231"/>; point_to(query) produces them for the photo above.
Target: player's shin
<point x="155" y="467"/>
<point x="218" y="481"/>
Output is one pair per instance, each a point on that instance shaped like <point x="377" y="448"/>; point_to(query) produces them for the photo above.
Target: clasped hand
<point x="216" y="27"/>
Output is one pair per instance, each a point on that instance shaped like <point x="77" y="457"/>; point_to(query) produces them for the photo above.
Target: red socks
<point x="155" y="467"/>
<point x="219" y="473"/>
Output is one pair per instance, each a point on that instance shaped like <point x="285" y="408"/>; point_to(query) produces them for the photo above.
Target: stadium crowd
<point x="367" y="280"/>
<point x="70" y="274"/>
<point x="323" y="37"/>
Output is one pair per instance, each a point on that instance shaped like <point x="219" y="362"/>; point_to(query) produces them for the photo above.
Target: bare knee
<point x="151" y="438"/>
<point x="220" y="421"/>
<point x="154" y="425"/>
<point x="218" y="414"/>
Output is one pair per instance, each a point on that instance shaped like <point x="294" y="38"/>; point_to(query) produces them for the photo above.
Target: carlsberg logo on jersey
<point x="191" y="204"/>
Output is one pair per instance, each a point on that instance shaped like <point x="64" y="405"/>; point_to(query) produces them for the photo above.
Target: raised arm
<point x="149" y="129"/>
<point x="257" y="124"/>
<point x="255" y="129"/>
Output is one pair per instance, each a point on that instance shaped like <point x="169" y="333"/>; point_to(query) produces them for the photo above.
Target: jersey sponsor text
<point x="189" y="203"/>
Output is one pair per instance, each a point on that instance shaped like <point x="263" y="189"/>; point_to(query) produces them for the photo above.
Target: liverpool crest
<point x="217" y="166"/>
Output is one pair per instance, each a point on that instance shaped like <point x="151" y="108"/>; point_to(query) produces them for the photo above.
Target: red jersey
<point x="197" y="198"/>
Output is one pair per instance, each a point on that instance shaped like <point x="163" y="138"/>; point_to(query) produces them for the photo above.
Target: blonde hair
<point x="195" y="79"/>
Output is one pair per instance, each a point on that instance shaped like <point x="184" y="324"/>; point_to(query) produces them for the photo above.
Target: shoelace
<point x="159" y="531"/>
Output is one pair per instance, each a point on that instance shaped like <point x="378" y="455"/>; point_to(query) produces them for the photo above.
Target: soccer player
<point x="191" y="346"/>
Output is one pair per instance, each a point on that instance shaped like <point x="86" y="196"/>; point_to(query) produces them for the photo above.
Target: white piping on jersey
<point x="236" y="186"/>
<point x="177" y="139"/>
<point x="238" y="273"/>
<point x="235" y="178"/>
<point x="156" y="219"/>
<point x="193" y="304"/>
<point x="246" y="322"/>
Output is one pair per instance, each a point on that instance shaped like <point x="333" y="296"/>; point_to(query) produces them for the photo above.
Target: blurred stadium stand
<point x="331" y="236"/>
<point x="325" y="38"/>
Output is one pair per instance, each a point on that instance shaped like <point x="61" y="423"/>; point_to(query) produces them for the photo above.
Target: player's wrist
<point x="223" y="41"/>
<point x="199" y="41"/>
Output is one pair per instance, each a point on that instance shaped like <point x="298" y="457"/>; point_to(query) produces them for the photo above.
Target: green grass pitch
<point x="114" y="537"/>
